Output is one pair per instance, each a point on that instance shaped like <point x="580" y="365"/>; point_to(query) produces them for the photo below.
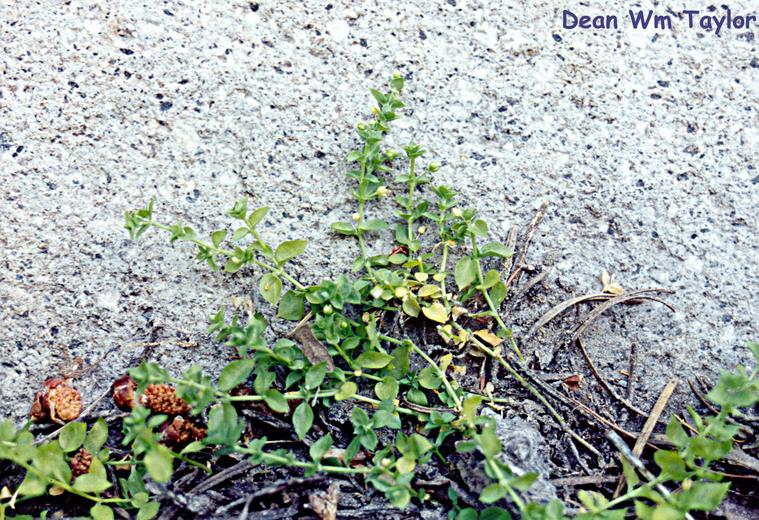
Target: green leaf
<point x="373" y="225"/>
<point x="496" y="249"/>
<point x="429" y="378"/>
<point x="631" y="476"/>
<point x="289" y="249"/>
<point x="344" y="228"/>
<point x="411" y="306"/>
<point x="465" y="272"/>
<point x="193" y="447"/>
<point x="315" y="375"/>
<point x="386" y="389"/>
<point x="346" y="391"/>
<point x="676" y="433"/>
<point x="303" y="419"/>
<point x="492" y="277"/>
<point x="493" y="493"/>
<point x="374" y="360"/>
<point x="97" y="436"/>
<point x="705" y="496"/>
<point x="223" y="426"/>
<point x="148" y="511"/>
<point x="217" y="237"/>
<point x="754" y="348"/>
<point x="101" y="512"/>
<point x="524" y="482"/>
<point x="256" y="216"/>
<point x="496" y="513"/>
<point x="734" y="390"/>
<point x="89" y="483"/>
<point x="671" y="464"/>
<point x="436" y="312"/>
<point x="470" y="405"/>
<point x="666" y="512"/>
<point x="498" y="293"/>
<point x="235" y="373"/>
<point x="239" y="210"/>
<point x="378" y="96"/>
<point x="489" y="443"/>
<point x="158" y="462"/>
<point x="271" y="288"/>
<point x="32" y="486"/>
<point x="239" y="234"/>
<point x="276" y="401"/>
<point x="72" y="436"/>
<point x="292" y="306"/>
<point x="479" y="228"/>
<point x="320" y="448"/>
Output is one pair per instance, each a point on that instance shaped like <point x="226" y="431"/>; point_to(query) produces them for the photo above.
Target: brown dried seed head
<point x="123" y="393"/>
<point x="80" y="463"/>
<point x="65" y="403"/>
<point x="58" y="402"/>
<point x="181" y="432"/>
<point x="163" y="399"/>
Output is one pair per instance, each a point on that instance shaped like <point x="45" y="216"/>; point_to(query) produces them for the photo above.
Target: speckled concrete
<point x="645" y="145"/>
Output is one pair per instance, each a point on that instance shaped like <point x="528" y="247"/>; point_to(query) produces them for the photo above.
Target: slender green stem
<point x="501" y="478"/>
<point x="69" y="488"/>
<point x="224" y="397"/>
<point x="443" y="267"/>
<point x="410" y="201"/>
<point x="191" y="462"/>
<point x="638" y="491"/>
<point x="271" y="458"/>
<point x="448" y="388"/>
<point x="526" y="384"/>
<point x="360" y="221"/>
<point x="488" y="299"/>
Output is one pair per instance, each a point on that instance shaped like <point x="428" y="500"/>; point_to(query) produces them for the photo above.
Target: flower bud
<point x="456" y="212"/>
<point x="433" y="167"/>
<point x="391" y="154"/>
<point x="382" y="191"/>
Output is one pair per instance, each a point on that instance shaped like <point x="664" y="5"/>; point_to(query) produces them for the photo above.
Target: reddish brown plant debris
<point x="163" y="399"/>
<point x="573" y="382"/>
<point x="57" y="403"/>
<point x="123" y="391"/>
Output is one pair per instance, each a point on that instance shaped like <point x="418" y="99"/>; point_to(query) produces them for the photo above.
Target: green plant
<point x="346" y="349"/>
<point x="697" y="486"/>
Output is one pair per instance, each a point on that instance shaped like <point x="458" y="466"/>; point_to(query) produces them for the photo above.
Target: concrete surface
<point x="644" y="143"/>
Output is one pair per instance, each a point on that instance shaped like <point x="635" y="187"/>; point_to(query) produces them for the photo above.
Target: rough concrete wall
<point x="645" y="144"/>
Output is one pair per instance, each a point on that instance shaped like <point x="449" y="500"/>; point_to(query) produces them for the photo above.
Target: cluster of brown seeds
<point x="80" y="463"/>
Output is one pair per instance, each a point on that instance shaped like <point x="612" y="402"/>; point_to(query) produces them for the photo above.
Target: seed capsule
<point x="123" y="393"/>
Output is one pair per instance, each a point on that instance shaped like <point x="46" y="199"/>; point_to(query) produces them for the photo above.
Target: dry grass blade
<point x="649" y="425"/>
<point x="611" y="302"/>
<point x="524" y="248"/>
<point x="558" y="309"/>
<point x="606" y="386"/>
